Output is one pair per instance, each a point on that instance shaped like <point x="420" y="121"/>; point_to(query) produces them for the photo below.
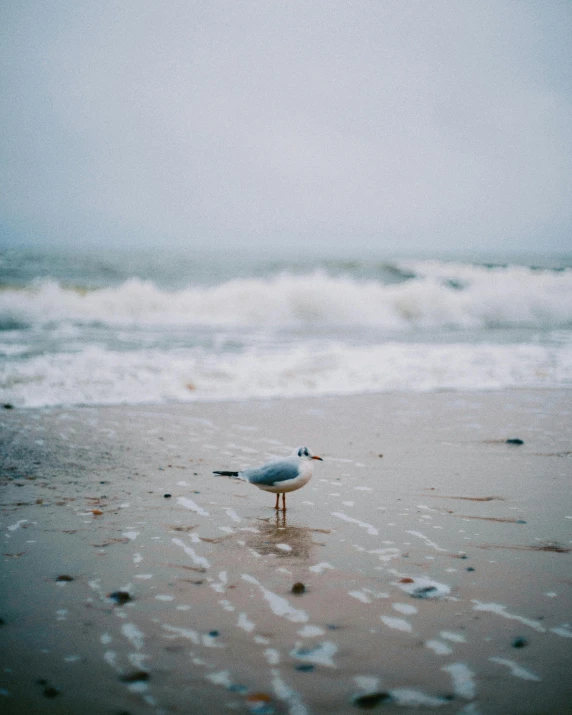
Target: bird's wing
<point x="272" y="473"/>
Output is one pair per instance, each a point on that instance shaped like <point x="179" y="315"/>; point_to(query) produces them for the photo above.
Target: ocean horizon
<point x="159" y="326"/>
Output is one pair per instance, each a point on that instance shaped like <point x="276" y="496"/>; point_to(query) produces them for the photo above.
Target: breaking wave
<point x="438" y="295"/>
<point x="99" y="376"/>
<point x="434" y="326"/>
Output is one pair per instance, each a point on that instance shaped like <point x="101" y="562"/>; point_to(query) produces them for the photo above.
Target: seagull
<point x="280" y="475"/>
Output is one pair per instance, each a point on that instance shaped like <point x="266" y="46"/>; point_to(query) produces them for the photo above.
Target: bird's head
<point x="304" y="453"/>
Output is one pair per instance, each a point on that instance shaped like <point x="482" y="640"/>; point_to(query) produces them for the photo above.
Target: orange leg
<point x="277" y="506"/>
<point x="283" y="501"/>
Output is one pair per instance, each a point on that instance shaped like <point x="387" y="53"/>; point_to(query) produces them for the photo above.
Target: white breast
<point x="290" y="485"/>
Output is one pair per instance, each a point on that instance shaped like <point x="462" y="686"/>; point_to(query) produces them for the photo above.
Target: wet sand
<point x="434" y="557"/>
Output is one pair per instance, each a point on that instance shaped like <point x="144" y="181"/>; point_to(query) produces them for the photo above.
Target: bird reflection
<point x="276" y="537"/>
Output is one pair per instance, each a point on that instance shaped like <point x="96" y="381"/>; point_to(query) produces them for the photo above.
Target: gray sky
<point x="363" y="124"/>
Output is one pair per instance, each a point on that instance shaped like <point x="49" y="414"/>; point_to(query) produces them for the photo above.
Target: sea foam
<point x="443" y="326"/>
<point x="98" y="376"/>
<point x="440" y="295"/>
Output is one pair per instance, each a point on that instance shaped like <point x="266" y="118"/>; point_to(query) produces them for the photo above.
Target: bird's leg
<point x="283" y="501"/>
<point x="277" y="506"/>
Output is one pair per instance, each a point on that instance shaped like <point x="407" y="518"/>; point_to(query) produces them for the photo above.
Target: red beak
<point x="314" y="457"/>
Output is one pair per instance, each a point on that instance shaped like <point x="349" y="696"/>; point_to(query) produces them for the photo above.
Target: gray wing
<point x="272" y="473"/>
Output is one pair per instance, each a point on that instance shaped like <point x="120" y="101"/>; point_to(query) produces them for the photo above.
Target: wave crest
<point x="439" y="296"/>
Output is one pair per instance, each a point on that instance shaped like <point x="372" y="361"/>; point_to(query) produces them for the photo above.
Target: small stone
<point x="470" y="568"/>
<point x="305" y="667"/>
<point x="137" y="676"/>
<point x="51" y="692"/>
<point x="298" y="588"/>
<point x="515" y="440"/>
<point x="519" y="642"/>
<point x="64" y="578"/>
<point x="167" y="496"/>
<point x="424" y="592"/>
<point x="120" y="597"/>
<point x="214" y="634"/>
<point x="8" y="406"/>
<point x="371" y="700"/>
<point x="255" y="698"/>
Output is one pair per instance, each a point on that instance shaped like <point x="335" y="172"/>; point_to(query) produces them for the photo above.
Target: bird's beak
<point x="315" y="457"/>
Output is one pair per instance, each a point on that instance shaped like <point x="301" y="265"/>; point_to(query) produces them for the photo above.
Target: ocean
<point x="158" y="326"/>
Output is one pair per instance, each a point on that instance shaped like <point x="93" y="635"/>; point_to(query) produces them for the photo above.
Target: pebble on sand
<point x="120" y="597"/>
<point x="371" y="700"/>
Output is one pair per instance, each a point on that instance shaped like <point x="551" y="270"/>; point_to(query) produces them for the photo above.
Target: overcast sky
<point x="364" y="124"/>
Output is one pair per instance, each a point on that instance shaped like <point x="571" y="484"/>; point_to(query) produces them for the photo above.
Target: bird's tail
<point x="226" y="474"/>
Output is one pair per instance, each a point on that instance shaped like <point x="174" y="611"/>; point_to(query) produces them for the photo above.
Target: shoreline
<point x="464" y="392"/>
<point x="422" y="567"/>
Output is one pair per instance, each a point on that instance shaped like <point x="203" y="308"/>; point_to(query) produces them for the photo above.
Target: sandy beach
<point x="434" y="557"/>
